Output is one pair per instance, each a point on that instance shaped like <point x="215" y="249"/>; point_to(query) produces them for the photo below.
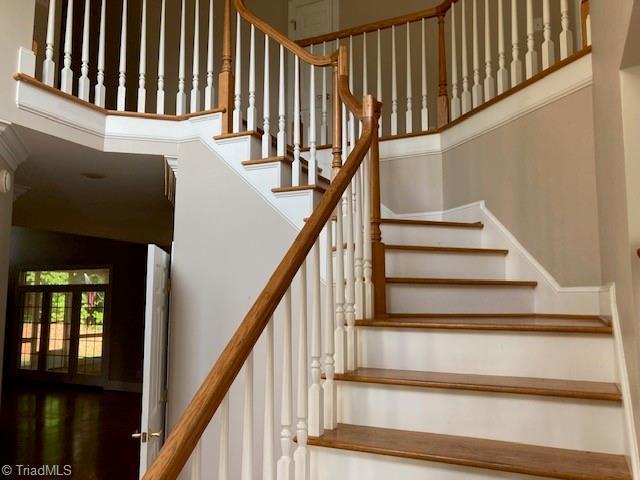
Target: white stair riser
<point x="333" y="464"/>
<point x="523" y="354"/>
<point x="401" y="263"/>
<point x="273" y="175"/>
<point x="553" y="422"/>
<point x="410" y="298"/>
<point x="435" y="236"/>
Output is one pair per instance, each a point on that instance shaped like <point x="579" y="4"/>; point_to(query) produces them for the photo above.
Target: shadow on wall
<point x="40" y="249"/>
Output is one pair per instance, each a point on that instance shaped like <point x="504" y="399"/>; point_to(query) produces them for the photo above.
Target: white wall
<point x="228" y="241"/>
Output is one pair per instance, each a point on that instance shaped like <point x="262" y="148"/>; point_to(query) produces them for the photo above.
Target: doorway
<point x="63" y="316"/>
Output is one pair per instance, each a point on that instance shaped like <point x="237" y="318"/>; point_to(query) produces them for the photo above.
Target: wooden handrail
<point x="198" y="414"/>
<point x="293" y="47"/>
<point x="195" y="419"/>
<point x="432" y="12"/>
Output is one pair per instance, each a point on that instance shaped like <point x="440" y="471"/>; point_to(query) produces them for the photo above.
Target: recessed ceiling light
<point x="94" y="176"/>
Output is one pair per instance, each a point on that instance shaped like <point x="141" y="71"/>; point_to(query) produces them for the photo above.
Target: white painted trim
<point x="12" y="148"/>
<point x="609" y="309"/>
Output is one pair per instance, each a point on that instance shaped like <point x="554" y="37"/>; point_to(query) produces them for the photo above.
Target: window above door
<point x="97" y="276"/>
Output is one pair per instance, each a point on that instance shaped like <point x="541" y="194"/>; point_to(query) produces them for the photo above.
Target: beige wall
<point x="617" y="180"/>
<point x="412" y="184"/>
<point x="537" y="175"/>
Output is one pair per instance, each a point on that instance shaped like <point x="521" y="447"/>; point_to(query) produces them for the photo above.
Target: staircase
<point x="464" y="372"/>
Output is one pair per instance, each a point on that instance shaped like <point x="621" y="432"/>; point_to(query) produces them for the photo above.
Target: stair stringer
<point x="549" y="296"/>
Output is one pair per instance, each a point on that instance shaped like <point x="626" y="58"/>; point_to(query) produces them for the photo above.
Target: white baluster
<point x="296" y="175"/>
<point x="329" y="386"/>
<point x="48" y="65"/>
<point x="367" y="261"/>
<point x="365" y="66"/>
<point x="237" y="99"/>
<point x="379" y="81"/>
<point x="84" y="84"/>
<point x="66" y="75"/>
<point x="489" y="81"/>
<point x="301" y="454"/>
<point x="223" y="460"/>
<point x="268" y="450"/>
<point x="142" y="92"/>
<point x="282" y="133"/>
<point x="313" y="160"/>
<point x="181" y="96"/>
<point x="324" y="127"/>
<point x="358" y="249"/>
<point x="122" y="71"/>
<point x="316" y="394"/>
<point x="394" y="84"/>
<point x="247" y="422"/>
<point x="195" y="83"/>
<point x="503" y="74"/>
<point x="566" y="36"/>
<point x="160" y="92"/>
<point x="466" y="93"/>
<point x="478" y="96"/>
<point x="339" y="333"/>
<point x="409" y="113"/>
<point x="531" y="57"/>
<point x="251" y="109"/>
<point x="588" y="27"/>
<point x="100" y="90"/>
<point x="455" y="98"/>
<point x="548" y="47"/>
<point x="424" y="113"/>
<point x="266" y="107"/>
<point x="349" y="302"/>
<point x="285" y="463"/>
<point x="209" y="90"/>
<point x="516" y="63"/>
<point x="352" y="119"/>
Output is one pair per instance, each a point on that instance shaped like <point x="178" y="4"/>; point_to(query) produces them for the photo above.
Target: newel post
<point x="443" y="96"/>
<point x="377" y="247"/>
<point x="225" y="79"/>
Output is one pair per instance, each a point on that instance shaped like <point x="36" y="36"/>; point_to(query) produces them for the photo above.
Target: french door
<point x="61" y="332"/>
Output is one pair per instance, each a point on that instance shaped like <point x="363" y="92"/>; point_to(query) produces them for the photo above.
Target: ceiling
<point x="126" y="203"/>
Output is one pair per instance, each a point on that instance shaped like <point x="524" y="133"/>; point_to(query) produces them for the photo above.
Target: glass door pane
<point x="59" y="332"/>
<point x="91" y="333"/>
<point x="30" y="330"/>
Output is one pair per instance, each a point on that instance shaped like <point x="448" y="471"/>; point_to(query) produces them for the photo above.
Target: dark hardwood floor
<point x="88" y="429"/>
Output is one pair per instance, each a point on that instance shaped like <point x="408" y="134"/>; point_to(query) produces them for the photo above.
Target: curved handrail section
<point x="293" y="47"/>
<point x="432" y="12"/>
<point x="198" y="414"/>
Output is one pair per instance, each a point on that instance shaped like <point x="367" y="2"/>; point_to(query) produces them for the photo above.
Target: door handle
<point x="142" y="436"/>
<point x="156" y="434"/>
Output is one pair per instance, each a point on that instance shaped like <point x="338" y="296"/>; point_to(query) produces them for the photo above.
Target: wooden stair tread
<point x="471" y="282"/>
<point x="486" y="383"/>
<point x="476" y="452"/>
<point x="455" y="250"/>
<point x="431" y="223"/>
<point x="262" y="161"/>
<point x="493" y="322"/>
<point x="299" y="188"/>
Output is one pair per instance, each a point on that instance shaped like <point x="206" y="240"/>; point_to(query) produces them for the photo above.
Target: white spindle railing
<point x="181" y="96"/>
<point x="301" y="453"/>
<point x="223" y="454"/>
<point x="247" y="422"/>
<point x="316" y="406"/>
<point x="531" y="57"/>
<point x="142" y="92"/>
<point x="516" y="63"/>
<point x="251" y="109"/>
<point x="409" y="113"/>
<point x="329" y="387"/>
<point x="209" y="90"/>
<point x="285" y="462"/>
<point x="456" y="105"/>
<point x="100" y="90"/>
<point x="237" y="93"/>
<point x="122" y="73"/>
<point x="503" y="74"/>
<point x="268" y="446"/>
<point x="195" y="82"/>
<point x="466" y="93"/>
<point x="84" y="84"/>
<point x="282" y="119"/>
<point x="161" y="59"/>
<point x="266" y="105"/>
<point x="394" y="84"/>
<point x="566" y="36"/>
<point x="489" y="80"/>
<point x="477" y="93"/>
<point x="66" y="75"/>
<point x="324" y="125"/>
<point x="424" y="112"/>
<point x="296" y="174"/>
<point x="48" y="65"/>
<point x="548" y="47"/>
<point x="379" y="78"/>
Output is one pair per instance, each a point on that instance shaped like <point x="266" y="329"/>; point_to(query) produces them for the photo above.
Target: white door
<point x="308" y="18"/>
<point x="154" y="384"/>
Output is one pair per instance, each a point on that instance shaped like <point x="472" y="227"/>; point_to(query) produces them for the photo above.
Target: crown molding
<point x="12" y="148"/>
<point x="172" y="162"/>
